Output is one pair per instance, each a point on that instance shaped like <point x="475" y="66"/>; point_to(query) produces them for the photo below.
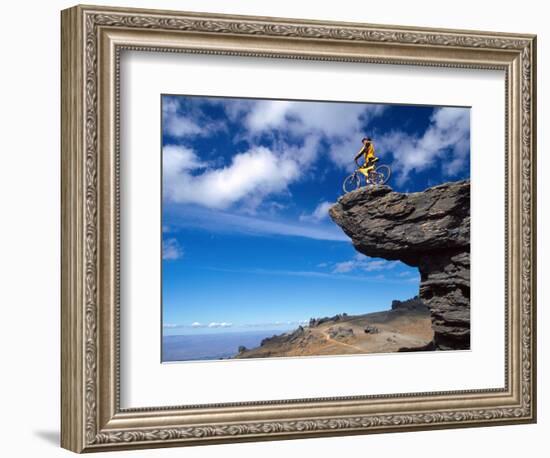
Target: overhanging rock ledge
<point x="429" y="230"/>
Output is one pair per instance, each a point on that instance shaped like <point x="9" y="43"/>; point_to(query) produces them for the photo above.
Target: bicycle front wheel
<point x="381" y="175"/>
<point x="351" y="183"/>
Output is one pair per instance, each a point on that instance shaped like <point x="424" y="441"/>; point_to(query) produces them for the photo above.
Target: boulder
<point x="369" y="329"/>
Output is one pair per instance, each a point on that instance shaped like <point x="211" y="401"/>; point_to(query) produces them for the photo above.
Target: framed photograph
<point x="278" y="228"/>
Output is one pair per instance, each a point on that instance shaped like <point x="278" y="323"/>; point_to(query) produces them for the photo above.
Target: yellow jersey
<point x="368" y="152"/>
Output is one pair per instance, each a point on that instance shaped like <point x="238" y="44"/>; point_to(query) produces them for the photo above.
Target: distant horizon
<point x="242" y="331"/>
<point x="170" y="329"/>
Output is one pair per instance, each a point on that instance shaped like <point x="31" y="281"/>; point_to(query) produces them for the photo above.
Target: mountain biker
<point x="367" y="151"/>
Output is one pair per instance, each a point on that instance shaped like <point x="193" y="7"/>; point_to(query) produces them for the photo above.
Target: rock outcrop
<point x="413" y="304"/>
<point x="340" y="333"/>
<point x="314" y="322"/>
<point x="429" y="230"/>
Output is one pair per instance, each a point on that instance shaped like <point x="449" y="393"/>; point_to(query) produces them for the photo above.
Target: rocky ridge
<point x="404" y="328"/>
<point x="413" y="304"/>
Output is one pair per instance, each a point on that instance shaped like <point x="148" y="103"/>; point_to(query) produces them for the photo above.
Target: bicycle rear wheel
<point x="352" y="182"/>
<point x="381" y="175"/>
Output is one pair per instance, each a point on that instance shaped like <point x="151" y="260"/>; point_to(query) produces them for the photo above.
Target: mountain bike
<point x="377" y="176"/>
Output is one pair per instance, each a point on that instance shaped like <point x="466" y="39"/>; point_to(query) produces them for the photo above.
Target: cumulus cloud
<point x="340" y="125"/>
<point x="171" y="249"/>
<point x="364" y="263"/>
<point x="177" y="124"/>
<point x="268" y="114"/>
<point x="323" y="118"/>
<point x="215" y="324"/>
<point x="320" y="213"/>
<point x="447" y="138"/>
<point x="257" y="172"/>
<point x="181" y="126"/>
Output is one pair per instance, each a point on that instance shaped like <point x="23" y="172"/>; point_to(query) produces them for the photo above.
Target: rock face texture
<point x="429" y="230"/>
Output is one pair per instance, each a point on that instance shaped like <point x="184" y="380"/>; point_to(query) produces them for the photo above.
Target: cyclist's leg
<point x="364" y="171"/>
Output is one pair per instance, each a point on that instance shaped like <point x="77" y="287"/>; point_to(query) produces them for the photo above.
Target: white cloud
<point x="341" y="125"/>
<point x="364" y="263"/>
<point x="197" y="325"/>
<point x="305" y="154"/>
<point x="276" y="324"/>
<point x="171" y="249"/>
<point x="257" y="172"/>
<point x="268" y="114"/>
<point x="344" y="267"/>
<point x="380" y="264"/>
<point x="176" y="124"/>
<point x="180" y="126"/>
<point x="300" y="118"/>
<point x="312" y="274"/>
<point x="215" y="324"/>
<point x="224" y="222"/>
<point x="447" y="138"/>
<point x="176" y="158"/>
<point x="320" y="213"/>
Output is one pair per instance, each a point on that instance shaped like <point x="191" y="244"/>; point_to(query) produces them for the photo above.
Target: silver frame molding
<point x="92" y="40"/>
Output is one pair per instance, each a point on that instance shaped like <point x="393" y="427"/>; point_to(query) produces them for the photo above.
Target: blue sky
<point x="247" y="241"/>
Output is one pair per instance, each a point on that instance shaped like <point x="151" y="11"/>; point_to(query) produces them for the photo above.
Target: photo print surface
<point x="310" y="228"/>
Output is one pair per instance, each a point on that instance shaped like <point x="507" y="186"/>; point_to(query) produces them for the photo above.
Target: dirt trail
<point x="331" y="340"/>
<point x="390" y="332"/>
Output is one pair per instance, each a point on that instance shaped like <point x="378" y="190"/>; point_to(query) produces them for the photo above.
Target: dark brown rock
<point x="429" y="230"/>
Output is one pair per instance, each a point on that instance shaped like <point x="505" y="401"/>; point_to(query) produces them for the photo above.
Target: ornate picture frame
<point x="92" y="41"/>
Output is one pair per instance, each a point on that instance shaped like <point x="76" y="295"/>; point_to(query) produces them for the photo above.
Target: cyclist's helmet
<point x="367" y="139"/>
